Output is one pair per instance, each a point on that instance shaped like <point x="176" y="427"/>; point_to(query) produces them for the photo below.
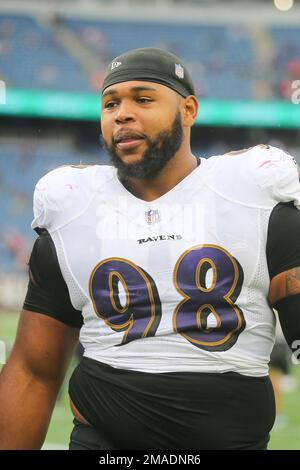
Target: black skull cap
<point x="150" y="65"/>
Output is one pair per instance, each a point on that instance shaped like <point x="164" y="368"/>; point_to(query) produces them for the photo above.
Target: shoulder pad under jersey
<point x="261" y="176"/>
<point x="64" y="193"/>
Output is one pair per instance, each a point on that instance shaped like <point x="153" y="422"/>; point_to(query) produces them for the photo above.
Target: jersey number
<point x="136" y="310"/>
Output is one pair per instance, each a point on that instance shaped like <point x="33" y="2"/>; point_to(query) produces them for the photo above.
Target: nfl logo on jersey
<point x="152" y="217"/>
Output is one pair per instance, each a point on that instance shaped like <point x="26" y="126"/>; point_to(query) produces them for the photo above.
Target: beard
<point x="158" y="153"/>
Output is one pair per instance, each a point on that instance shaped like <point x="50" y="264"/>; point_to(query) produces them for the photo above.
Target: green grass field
<point x="285" y="437"/>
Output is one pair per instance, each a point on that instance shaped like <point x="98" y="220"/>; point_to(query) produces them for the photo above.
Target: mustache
<point x="127" y="134"/>
<point x="105" y="145"/>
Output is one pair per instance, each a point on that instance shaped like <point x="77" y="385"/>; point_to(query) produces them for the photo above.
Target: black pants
<point x="173" y="411"/>
<point x="85" y="437"/>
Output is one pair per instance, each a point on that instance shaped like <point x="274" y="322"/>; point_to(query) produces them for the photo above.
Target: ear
<point x="189" y="110"/>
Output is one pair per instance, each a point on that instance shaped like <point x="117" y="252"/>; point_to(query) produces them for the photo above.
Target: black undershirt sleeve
<point x="283" y="253"/>
<point x="47" y="291"/>
<point x="283" y="243"/>
<point x="289" y="316"/>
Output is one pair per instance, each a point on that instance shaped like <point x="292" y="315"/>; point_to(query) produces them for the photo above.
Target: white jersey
<point x="179" y="283"/>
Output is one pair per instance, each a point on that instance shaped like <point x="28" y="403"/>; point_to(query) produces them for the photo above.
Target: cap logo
<point x="179" y="71"/>
<point x="115" y="65"/>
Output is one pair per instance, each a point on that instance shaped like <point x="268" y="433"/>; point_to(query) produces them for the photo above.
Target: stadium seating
<point x="31" y="57"/>
<point x="286" y="60"/>
<point x="223" y="59"/>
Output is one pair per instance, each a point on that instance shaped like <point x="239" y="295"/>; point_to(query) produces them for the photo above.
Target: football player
<point x="168" y="266"/>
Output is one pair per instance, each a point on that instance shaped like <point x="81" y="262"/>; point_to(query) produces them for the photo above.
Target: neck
<point x="175" y="171"/>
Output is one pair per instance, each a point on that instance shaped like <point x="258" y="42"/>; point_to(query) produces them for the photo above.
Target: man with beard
<point x="168" y="264"/>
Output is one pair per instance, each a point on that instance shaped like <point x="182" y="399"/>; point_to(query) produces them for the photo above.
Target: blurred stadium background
<point x="245" y="60"/>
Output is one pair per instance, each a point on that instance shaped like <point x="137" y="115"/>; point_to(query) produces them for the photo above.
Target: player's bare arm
<point x="30" y="381"/>
<point x="285" y="285"/>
